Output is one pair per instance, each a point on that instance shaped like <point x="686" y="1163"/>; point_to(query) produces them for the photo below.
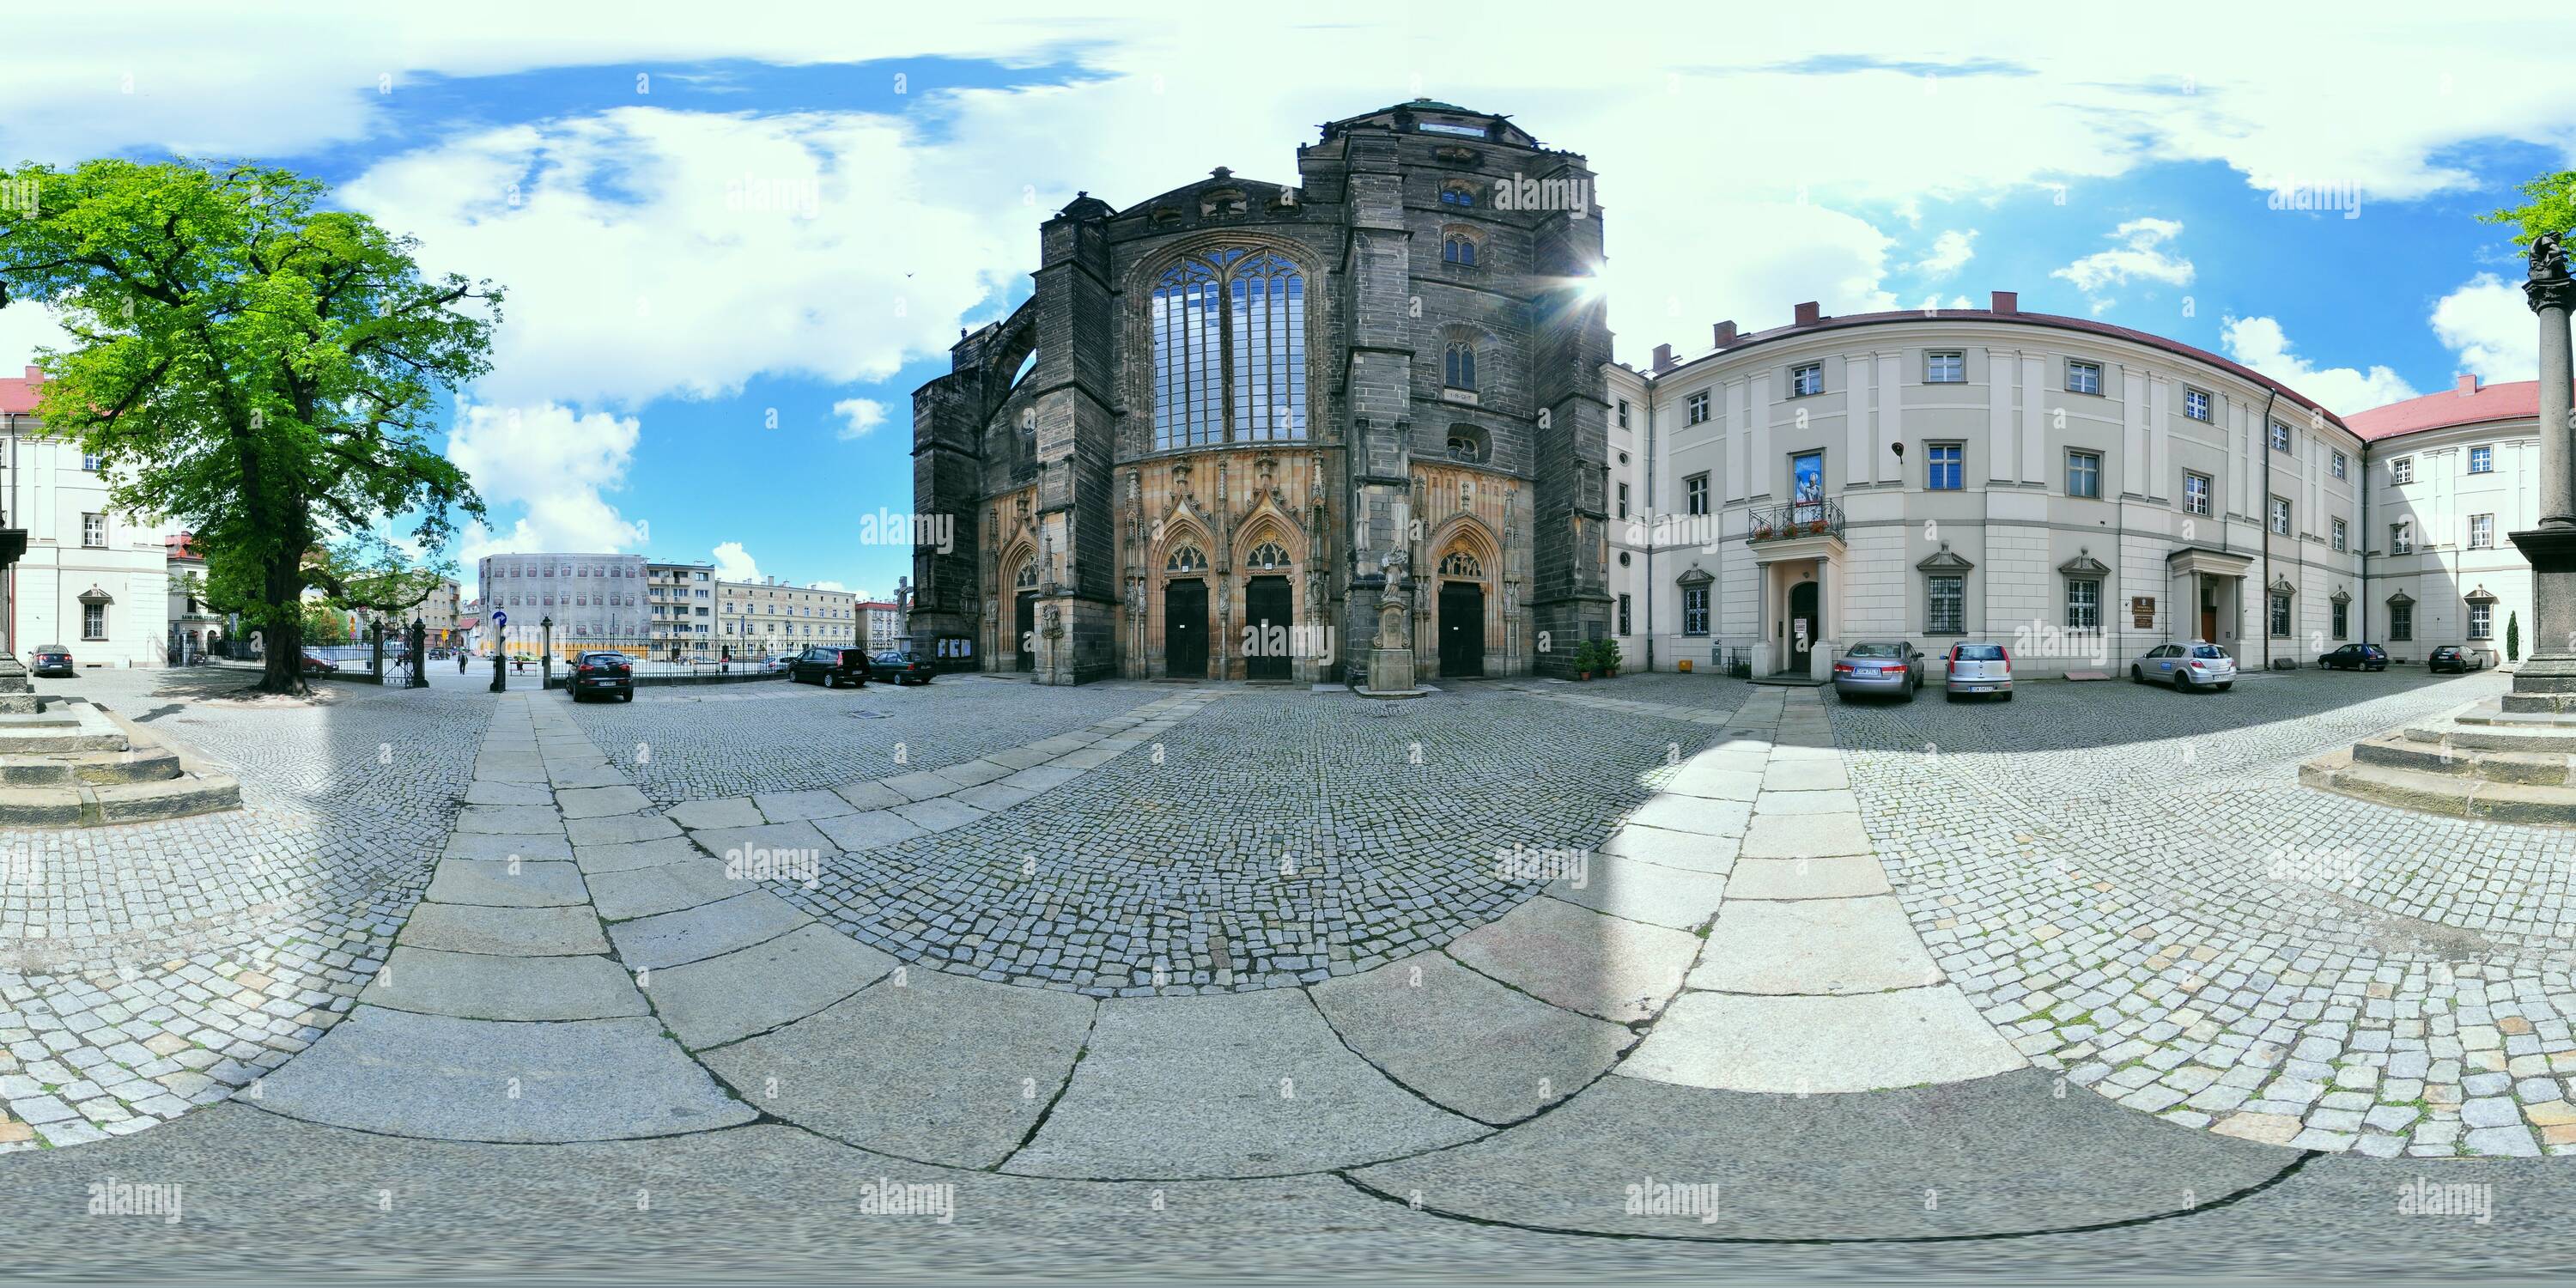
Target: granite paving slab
<point x="674" y="938"/>
<point x="1862" y="945"/>
<point x="510" y="932"/>
<point x="1467" y="1043"/>
<point x="477" y="986"/>
<point x="668" y="887"/>
<point x="619" y="829"/>
<point x="521" y="884"/>
<point x="1810" y="1045"/>
<point x="750" y="990"/>
<point x="1578" y="959"/>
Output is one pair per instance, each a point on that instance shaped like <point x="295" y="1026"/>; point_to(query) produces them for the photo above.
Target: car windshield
<point x="1981" y="653"/>
<point x="1876" y="650"/>
<point x="2208" y="650"/>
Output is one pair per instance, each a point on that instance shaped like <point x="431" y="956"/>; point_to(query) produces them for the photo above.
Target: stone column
<point x="2547" y="682"/>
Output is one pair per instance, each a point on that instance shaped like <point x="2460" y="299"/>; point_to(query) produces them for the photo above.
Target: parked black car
<point x="2356" y="657"/>
<point x="2452" y="657"/>
<point x="902" y="666"/>
<point x="830" y="665"/>
<point x="603" y="673"/>
<point x="50" y="659"/>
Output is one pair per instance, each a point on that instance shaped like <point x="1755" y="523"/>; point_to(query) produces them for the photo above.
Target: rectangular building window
<point x="2281" y="516"/>
<point x="2342" y="538"/>
<point x="1941" y="466"/>
<point x="2342" y="619"/>
<point x="2338" y="465"/>
<point x="2195" y="403"/>
<point x="2083" y="604"/>
<point x="2481" y="532"/>
<point x="1945" y="603"/>
<point x="2401" y="622"/>
<point x="2481" y="620"/>
<point x="2481" y="460"/>
<point x="2195" y="493"/>
<point x="2084" y="474"/>
<point x="1623" y="615"/>
<point x="1694" y="610"/>
<point x="1698" y="404"/>
<point x="1945" y="368"/>
<point x="2402" y="470"/>
<point x="89" y="462"/>
<point x="2401" y="538"/>
<point x="1695" y="494"/>
<point x="94" y="531"/>
<point x="1623" y="500"/>
<point x="2280" y="616"/>
<point x="2083" y="377"/>
<point x="1807" y="378"/>
<point x="1623" y="413"/>
<point x="93" y="621"/>
<point x="2280" y="437"/>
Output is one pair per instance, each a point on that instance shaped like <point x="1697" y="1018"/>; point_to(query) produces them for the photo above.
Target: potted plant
<point x="1606" y="656"/>
<point x="1761" y="531"/>
<point x="1816" y="527"/>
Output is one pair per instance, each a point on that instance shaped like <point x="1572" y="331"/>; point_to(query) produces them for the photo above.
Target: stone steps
<point x="2457" y="794"/>
<point x="79" y="765"/>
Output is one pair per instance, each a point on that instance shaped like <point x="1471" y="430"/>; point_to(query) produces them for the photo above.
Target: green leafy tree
<point x="2513" y="637"/>
<point x="323" y="624"/>
<point x="2551" y="208"/>
<point x="262" y="368"/>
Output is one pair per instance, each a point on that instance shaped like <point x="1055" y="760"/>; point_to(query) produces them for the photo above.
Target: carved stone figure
<point x="2548" y="259"/>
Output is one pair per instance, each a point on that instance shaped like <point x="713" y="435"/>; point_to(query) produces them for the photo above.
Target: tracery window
<point x="1458" y="366"/>
<point x="1267" y="555"/>
<point x="1026" y="577"/>
<point x="1460" y="563"/>
<point x="1186" y="559"/>
<point x="1229" y="331"/>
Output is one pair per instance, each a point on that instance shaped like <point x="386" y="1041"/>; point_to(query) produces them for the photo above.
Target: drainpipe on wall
<point x="1648" y="583"/>
<point x="2266" y="429"/>
<point x="2361" y="553"/>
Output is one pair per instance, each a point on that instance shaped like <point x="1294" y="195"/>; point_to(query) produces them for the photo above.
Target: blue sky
<point x="732" y="250"/>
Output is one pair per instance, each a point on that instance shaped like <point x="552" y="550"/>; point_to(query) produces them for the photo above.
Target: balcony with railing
<point x="1818" y="518"/>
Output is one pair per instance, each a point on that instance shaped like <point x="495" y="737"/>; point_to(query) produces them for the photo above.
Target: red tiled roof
<point x="2012" y="316"/>
<point x="2467" y="403"/>
<point x="18" y="395"/>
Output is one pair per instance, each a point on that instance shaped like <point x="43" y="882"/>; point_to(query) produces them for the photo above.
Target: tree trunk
<point x="283" y="637"/>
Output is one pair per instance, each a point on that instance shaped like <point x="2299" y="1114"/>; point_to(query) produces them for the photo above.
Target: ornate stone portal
<point x="2510" y="759"/>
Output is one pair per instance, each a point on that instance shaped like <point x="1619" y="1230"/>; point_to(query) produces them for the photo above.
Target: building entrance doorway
<point x="1185" y="629"/>
<point x="1266" y="649"/>
<point x="1024" y="642"/>
<point x="1801" y="626"/>
<point x="1462" y="628"/>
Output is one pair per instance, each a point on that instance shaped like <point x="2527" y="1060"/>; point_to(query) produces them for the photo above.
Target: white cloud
<point x="860" y="415"/>
<point x="2141" y="255"/>
<point x="2491" y="326"/>
<point x="2260" y="343"/>
<point x="649" y="252"/>
<point x="26" y="326"/>
<point x="553" y="465"/>
<point x="1951" y="252"/>
<point x="733" y="564"/>
<point x="829" y="585"/>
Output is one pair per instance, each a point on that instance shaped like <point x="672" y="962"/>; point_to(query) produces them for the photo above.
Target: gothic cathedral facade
<point x="1231" y="417"/>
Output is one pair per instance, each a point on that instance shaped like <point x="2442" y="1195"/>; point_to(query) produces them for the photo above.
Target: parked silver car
<point x="1891" y="669"/>
<point x="2185" y="666"/>
<point x="1978" y="670"/>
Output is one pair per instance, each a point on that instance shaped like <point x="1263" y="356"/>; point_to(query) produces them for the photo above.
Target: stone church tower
<point x="1231" y="413"/>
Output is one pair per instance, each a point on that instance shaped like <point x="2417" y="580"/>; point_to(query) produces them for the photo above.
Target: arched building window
<point x="1458" y="366"/>
<point x="1457" y="248"/>
<point x="1027" y="577"/>
<point x="1229" y="331"/>
<point x="1461" y="563"/>
<point x="1458" y="194"/>
<point x="1267" y="555"/>
<point x="1186" y="559"/>
<point x="1467" y="444"/>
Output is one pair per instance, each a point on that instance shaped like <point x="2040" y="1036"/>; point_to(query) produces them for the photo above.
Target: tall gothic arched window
<point x="1186" y="559"/>
<point x="1229" y="349"/>
<point x="1267" y="555"/>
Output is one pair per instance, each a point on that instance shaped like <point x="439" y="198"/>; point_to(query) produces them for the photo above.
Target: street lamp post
<point x="546" y="661"/>
<point x="419" y="654"/>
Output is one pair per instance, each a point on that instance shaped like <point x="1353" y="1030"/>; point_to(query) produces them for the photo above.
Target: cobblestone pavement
<point x="2132" y="885"/>
<point x="149" y="968"/>
<point x="700" y="742"/>
<point x="1278" y="837"/>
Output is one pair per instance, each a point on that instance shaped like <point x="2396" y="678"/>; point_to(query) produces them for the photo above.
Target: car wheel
<point x="630" y="695"/>
<point x="1951" y="695"/>
<point x="2137" y="675"/>
<point x="2225" y="687"/>
<point x="2008" y="695"/>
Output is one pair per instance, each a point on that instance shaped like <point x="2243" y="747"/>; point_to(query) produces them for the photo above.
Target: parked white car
<point x="2187" y="667"/>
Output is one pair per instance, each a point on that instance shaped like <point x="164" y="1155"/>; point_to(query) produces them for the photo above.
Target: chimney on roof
<point x="1808" y="314"/>
<point x="2468" y="384"/>
<point x="1663" y="358"/>
<point x="35" y="373"/>
<point x="1725" y="333"/>
<point x="2006" y="302"/>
